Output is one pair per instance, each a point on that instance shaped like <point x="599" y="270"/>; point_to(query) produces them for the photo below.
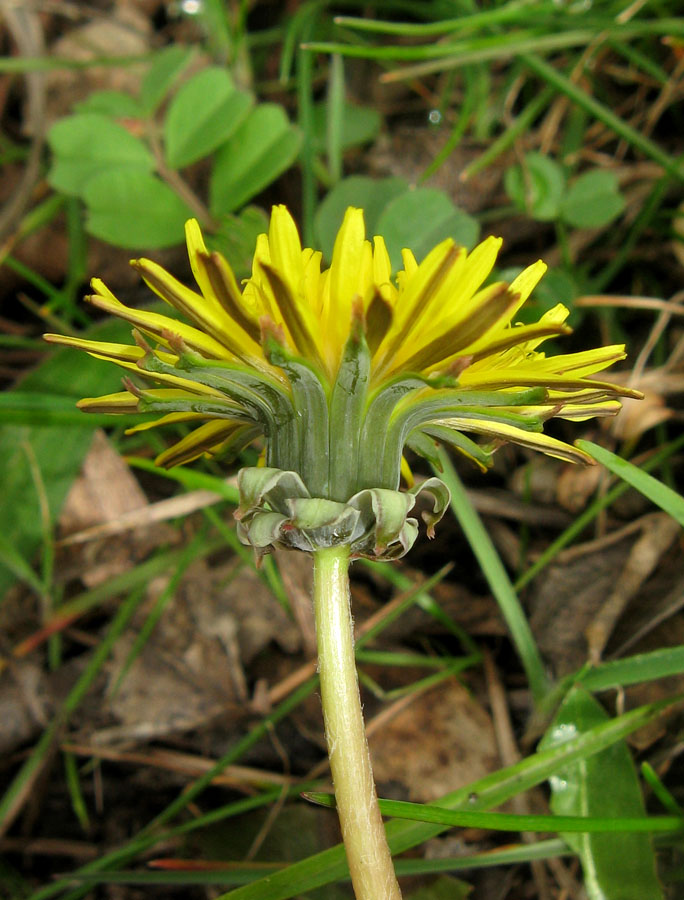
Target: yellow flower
<point x="342" y="368"/>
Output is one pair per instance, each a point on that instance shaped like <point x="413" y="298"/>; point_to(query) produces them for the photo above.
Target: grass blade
<point x="423" y="812"/>
<point x="495" y="573"/>
<point x="663" y="496"/>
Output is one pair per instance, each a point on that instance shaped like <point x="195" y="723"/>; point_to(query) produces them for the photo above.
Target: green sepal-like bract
<point x="277" y="510"/>
<point x="311" y="413"/>
<point x="267" y="401"/>
<point x="347" y="406"/>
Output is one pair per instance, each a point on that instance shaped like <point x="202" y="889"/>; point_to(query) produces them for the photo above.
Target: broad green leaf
<point x="422" y="218"/>
<point x="114" y="104"/>
<point x="166" y="67"/>
<point x="58" y="450"/>
<point x="536" y="187"/>
<point x="236" y="238"/>
<point x="264" y="145"/>
<point x="668" y="500"/>
<point x="360" y="124"/>
<point x="203" y="113"/>
<point x="593" y="200"/>
<point x="89" y="144"/>
<point x="134" y="209"/>
<point x="370" y="194"/>
<point x="617" y="866"/>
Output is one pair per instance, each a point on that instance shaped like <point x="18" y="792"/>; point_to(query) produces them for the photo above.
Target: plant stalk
<point x="363" y="832"/>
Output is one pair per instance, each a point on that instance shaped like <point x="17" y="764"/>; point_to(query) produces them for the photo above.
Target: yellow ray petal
<point x="244" y="327"/>
<point x="503" y="339"/>
<point x="382" y="270"/>
<point x="161" y="326"/>
<point x="205" y="439"/>
<point x="206" y="312"/>
<point x="285" y="246"/>
<point x="526" y="282"/>
<point x="419" y="290"/>
<point x="584" y="362"/>
<point x="532" y="440"/>
<point x="119" y="403"/>
<point x="350" y="268"/>
<point x="196" y="247"/>
<point x="103" y="349"/>
<point x="456" y="340"/>
<point x="502" y="379"/>
<point x="169" y="419"/>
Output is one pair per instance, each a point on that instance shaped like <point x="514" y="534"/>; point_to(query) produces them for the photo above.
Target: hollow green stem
<point x="363" y="832"/>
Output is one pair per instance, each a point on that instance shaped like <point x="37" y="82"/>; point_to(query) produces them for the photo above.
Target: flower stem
<point x="363" y="832"/>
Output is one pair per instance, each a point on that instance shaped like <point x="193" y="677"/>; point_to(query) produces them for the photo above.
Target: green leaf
<point x="166" y="67"/>
<point x="204" y="112"/>
<point x="616" y="866"/>
<point x="114" y="104"/>
<point x="360" y="124"/>
<point x="134" y="209"/>
<point x="593" y="200"/>
<point x="264" y="145"/>
<point x="422" y="218"/>
<point x="660" y="494"/>
<point x="536" y="187"/>
<point x="89" y="144"/>
<point x="58" y="451"/>
<point x="236" y="238"/>
<point x="370" y="194"/>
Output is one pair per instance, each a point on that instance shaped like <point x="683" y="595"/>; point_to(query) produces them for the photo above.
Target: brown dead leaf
<point x="638" y="416"/>
<point x="124" y="32"/>
<point x="297" y="574"/>
<point x="408" y="151"/>
<point x="670" y="633"/>
<point x="657" y="385"/>
<point x="441" y="741"/>
<point x="550" y="483"/>
<point x="191" y="668"/>
<point x="659" y="530"/>
<point x="103" y="493"/>
<point x="24" y="704"/>
<point x="576" y="485"/>
<point x="104" y="490"/>
<point x="573" y="590"/>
